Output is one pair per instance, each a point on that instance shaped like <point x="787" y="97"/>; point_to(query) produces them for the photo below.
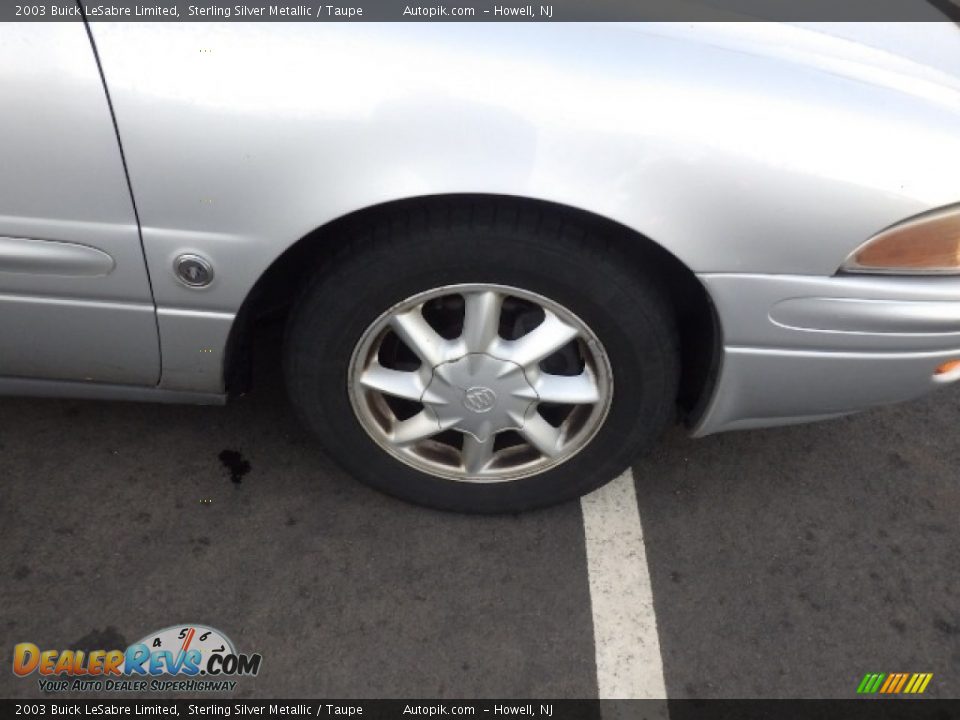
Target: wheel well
<point x="275" y="291"/>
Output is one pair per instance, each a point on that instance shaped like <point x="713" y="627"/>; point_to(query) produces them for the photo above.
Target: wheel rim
<point x="480" y="383"/>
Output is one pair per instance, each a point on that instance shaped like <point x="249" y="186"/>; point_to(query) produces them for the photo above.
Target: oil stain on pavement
<point x="234" y="462"/>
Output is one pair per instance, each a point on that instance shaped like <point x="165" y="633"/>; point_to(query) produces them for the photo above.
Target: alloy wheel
<point x="480" y="383"/>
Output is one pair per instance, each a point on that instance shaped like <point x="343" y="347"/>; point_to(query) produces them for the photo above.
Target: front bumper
<point x="799" y="348"/>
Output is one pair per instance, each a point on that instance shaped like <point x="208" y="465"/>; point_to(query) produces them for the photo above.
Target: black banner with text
<point x="866" y="709"/>
<point x="480" y="10"/>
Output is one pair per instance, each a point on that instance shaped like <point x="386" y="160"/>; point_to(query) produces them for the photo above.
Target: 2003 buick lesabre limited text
<point x="98" y="11"/>
<point x="98" y="709"/>
<point x="505" y="268"/>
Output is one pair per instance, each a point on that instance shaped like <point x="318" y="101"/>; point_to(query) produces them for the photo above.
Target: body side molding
<point x="53" y="257"/>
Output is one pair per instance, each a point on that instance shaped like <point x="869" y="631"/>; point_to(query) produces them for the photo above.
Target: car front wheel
<point x="482" y="362"/>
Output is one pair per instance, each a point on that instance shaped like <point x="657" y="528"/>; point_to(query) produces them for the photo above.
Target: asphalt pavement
<point x="784" y="563"/>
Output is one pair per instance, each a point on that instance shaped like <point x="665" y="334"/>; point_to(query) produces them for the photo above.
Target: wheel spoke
<point x="481" y="319"/>
<point x="419" y="427"/>
<point x="567" y="389"/>
<point x="476" y="454"/>
<point x="541" y="342"/>
<point x="397" y="383"/>
<point x="417" y="335"/>
<point x="541" y="434"/>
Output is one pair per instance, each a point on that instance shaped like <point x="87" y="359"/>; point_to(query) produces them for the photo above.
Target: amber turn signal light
<point x="948" y="367"/>
<point x="927" y="244"/>
<point x="948" y="372"/>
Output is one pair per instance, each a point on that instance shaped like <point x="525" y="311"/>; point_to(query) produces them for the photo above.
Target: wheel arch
<point x="278" y="286"/>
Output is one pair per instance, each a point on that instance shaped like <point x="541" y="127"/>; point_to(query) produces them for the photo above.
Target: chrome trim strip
<point x="199" y="314"/>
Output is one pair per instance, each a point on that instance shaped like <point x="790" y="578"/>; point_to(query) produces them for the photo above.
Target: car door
<point x="75" y="299"/>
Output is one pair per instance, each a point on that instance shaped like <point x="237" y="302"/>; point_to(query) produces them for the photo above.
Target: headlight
<point x="926" y="244"/>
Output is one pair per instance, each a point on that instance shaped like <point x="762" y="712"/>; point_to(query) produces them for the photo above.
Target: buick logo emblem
<point x="479" y="399"/>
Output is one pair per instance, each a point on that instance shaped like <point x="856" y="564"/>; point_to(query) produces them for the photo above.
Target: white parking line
<point x="629" y="665"/>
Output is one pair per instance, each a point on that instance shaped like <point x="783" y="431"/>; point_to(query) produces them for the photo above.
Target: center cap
<point x="479" y="394"/>
<point x="479" y="399"/>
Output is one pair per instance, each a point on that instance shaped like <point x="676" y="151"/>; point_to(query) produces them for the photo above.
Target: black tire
<point x="395" y="256"/>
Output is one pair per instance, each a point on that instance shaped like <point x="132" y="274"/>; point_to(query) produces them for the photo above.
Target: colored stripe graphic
<point x="894" y="683"/>
<point x="870" y="683"/>
<point x="918" y="683"/>
<point x="892" y="680"/>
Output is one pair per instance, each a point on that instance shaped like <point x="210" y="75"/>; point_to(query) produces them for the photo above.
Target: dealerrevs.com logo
<point x="187" y="658"/>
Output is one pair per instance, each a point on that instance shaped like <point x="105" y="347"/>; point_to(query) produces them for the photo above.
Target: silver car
<point x="509" y="255"/>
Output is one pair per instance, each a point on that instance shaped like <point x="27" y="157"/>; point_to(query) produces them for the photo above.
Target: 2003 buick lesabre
<point x="510" y="254"/>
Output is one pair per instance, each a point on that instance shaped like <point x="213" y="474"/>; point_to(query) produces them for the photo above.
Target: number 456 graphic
<point x="196" y="637"/>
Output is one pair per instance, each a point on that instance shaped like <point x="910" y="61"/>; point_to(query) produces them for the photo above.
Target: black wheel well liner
<point x="279" y="285"/>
